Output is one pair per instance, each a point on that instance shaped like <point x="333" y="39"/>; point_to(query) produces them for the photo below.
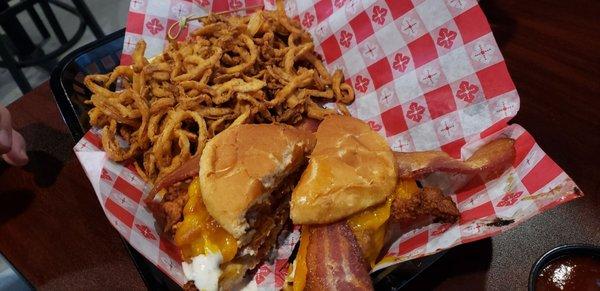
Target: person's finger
<point x="5" y="130"/>
<point x="17" y="155"/>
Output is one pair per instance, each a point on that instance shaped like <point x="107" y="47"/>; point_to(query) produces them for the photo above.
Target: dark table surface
<point x="52" y="228"/>
<point x="54" y="232"/>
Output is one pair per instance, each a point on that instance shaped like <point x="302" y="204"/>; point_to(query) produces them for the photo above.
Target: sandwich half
<point x="239" y="203"/>
<point x="344" y="202"/>
<point x="357" y="196"/>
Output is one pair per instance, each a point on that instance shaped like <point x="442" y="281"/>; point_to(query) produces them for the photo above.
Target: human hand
<point x="12" y="144"/>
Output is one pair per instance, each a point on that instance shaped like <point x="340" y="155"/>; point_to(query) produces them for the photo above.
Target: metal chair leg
<point x="38" y="22"/>
<point x="15" y="32"/>
<point x="14" y="69"/>
<point x="89" y="19"/>
<point x="60" y="34"/>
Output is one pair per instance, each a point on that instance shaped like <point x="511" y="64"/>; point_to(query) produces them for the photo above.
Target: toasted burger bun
<point x="241" y="167"/>
<point x="351" y="168"/>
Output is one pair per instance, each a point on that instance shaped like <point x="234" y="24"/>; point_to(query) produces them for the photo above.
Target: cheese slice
<point x="199" y="233"/>
<point x="370" y="226"/>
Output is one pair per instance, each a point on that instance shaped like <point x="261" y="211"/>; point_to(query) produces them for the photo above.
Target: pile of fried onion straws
<point x="260" y="68"/>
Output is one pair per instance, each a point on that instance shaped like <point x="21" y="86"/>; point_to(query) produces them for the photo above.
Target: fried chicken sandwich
<point x="239" y="202"/>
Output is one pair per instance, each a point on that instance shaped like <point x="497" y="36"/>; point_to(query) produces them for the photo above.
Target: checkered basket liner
<point x="428" y="76"/>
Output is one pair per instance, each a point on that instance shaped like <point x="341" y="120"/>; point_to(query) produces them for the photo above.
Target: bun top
<point x="242" y="166"/>
<point x="351" y="168"/>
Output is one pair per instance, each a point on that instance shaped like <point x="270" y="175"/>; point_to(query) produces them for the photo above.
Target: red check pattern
<point x="428" y="75"/>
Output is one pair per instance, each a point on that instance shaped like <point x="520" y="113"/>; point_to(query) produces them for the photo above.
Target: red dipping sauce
<point x="570" y="272"/>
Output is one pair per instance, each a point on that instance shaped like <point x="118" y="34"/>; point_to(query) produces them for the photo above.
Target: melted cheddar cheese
<point x="370" y="226"/>
<point x="301" y="269"/>
<point x="199" y="233"/>
<point x="298" y="270"/>
<point x="406" y="188"/>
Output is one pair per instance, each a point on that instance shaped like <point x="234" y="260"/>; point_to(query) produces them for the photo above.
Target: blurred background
<point x="36" y="34"/>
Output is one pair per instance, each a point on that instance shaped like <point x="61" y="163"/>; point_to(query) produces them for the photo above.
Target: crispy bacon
<point x="490" y="159"/>
<point x="188" y="169"/>
<point x="309" y="124"/>
<point x="335" y="260"/>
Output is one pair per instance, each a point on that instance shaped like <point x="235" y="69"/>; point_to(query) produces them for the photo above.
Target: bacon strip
<point x="309" y="124"/>
<point x="490" y="159"/>
<point x="188" y="169"/>
<point x="334" y="260"/>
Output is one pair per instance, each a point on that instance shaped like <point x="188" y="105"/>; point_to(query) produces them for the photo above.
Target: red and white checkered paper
<point x="428" y="75"/>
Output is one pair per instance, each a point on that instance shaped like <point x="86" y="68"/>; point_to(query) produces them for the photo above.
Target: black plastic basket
<point x="66" y="82"/>
<point x="101" y="56"/>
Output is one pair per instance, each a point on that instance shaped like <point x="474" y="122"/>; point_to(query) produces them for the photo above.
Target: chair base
<point x="46" y="60"/>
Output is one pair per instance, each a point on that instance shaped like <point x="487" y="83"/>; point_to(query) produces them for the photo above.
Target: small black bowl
<point x="559" y="251"/>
